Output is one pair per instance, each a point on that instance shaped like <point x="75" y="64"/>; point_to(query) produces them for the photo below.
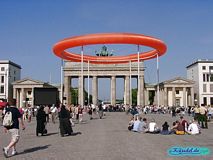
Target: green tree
<point x="74" y="96"/>
<point x="134" y="96"/>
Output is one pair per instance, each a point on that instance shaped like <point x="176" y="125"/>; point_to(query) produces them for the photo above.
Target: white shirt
<point x="53" y="109"/>
<point x="210" y="110"/>
<point x="193" y="128"/>
<point x="152" y="126"/>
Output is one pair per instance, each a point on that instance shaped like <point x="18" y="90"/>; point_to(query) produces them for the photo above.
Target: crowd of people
<point x="200" y="116"/>
<point x="179" y="127"/>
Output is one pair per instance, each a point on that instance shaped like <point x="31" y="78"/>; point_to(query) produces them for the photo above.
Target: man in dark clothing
<point x="13" y="129"/>
<point x="41" y="121"/>
<point x="64" y="121"/>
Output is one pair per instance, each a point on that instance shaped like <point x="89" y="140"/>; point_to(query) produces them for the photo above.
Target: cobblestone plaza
<point x="105" y="139"/>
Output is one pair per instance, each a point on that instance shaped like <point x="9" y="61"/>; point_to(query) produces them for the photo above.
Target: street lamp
<point x="6" y="84"/>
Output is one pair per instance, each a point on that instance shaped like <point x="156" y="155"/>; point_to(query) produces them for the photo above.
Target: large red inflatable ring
<point x="159" y="47"/>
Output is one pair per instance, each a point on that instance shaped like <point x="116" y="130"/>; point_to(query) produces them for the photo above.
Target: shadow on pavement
<point x="75" y="133"/>
<point x="49" y="134"/>
<point x="34" y="149"/>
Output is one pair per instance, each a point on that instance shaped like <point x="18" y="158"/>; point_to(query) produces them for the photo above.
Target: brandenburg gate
<point x="95" y="71"/>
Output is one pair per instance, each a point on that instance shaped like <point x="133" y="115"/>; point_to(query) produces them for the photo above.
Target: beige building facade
<point x="175" y="92"/>
<point x="23" y="91"/>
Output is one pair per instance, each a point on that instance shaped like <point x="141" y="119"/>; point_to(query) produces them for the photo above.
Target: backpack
<point x="8" y="121"/>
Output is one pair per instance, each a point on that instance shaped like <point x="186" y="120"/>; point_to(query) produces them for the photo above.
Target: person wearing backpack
<point x="11" y="122"/>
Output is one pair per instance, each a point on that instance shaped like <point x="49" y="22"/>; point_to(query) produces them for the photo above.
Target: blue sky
<point x="29" y="29"/>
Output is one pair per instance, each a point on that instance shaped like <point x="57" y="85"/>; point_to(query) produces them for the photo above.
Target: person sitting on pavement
<point x="153" y="128"/>
<point x="184" y="123"/>
<point x="131" y="124"/>
<point x="137" y="127"/>
<point x="144" y="125"/>
<point x="194" y="128"/>
<point x="165" y="129"/>
<point x="179" y="129"/>
<point x="173" y="128"/>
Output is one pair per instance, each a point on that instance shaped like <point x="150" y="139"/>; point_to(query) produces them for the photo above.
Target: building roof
<point x="10" y="62"/>
<point x="178" y="80"/>
<point x="32" y="81"/>
<point x="200" y="61"/>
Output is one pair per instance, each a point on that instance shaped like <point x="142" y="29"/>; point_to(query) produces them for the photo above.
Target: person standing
<point x="90" y="113"/>
<point x="47" y="111"/>
<point x="203" y="116"/>
<point x="13" y="129"/>
<point x="210" y="113"/>
<point x="53" y="111"/>
<point x="100" y="111"/>
<point x="41" y="121"/>
<point x="64" y="121"/>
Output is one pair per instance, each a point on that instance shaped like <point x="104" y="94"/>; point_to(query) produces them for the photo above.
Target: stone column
<point x="165" y="97"/>
<point x="81" y="90"/>
<point x="14" y="93"/>
<point x="67" y="89"/>
<point x="192" y="96"/>
<point x="127" y="90"/>
<point x="22" y="98"/>
<point x="17" y="98"/>
<point x="138" y="92"/>
<point x="94" y="90"/>
<point x="155" y="97"/>
<point x="113" y="90"/>
<point x="146" y="97"/>
<point x="32" y="94"/>
<point x="173" y="96"/>
<point x="184" y="96"/>
<point x="124" y="97"/>
<point x="160" y="95"/>
<point x="189" y="100"/>
<point x="142" y="90"/>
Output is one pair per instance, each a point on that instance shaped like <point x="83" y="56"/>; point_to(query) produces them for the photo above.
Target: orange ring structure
<point x="158" y="46"/>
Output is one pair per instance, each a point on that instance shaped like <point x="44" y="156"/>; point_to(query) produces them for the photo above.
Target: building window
<point x="204" y="87"/>
<point x="14" y="72"/>
<point x="177" y="91"/>
<point x="14" y="78"/>
<point x="204" y="67"/>
<point x="207" y="77"/>
<point x="204" y="78"/>
<point x="204" y="100"/>
<point x="29" y="92"/>
<point x="2" y="89"/>
<point x="2" y="68"/>
<point x="211" y="100"/>
<point x="211" y="78"/>
<point x="211" y="88"/>
<point x="2" y="79"/>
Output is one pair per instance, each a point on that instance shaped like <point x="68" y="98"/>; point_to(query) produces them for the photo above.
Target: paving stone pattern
<point x="105" y="139"/>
